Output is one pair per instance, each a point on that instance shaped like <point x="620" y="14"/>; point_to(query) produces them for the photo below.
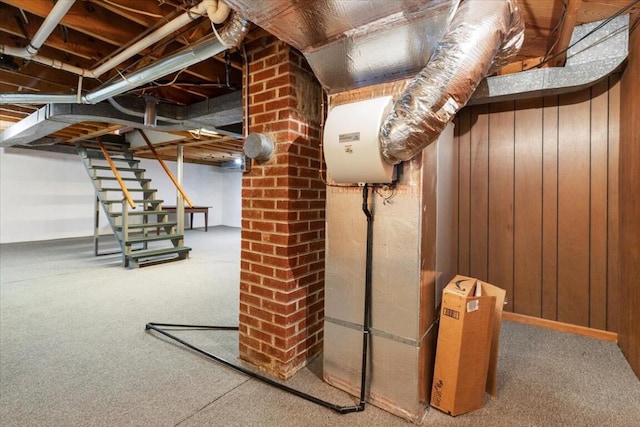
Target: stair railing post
<point x="96" y="225"/>
<point x="180" y="198"/>
<point x="176" y="181"/>
<point x="126" y="248"/>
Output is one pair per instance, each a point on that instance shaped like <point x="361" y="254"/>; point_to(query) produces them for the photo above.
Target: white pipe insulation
<point x="50" y="23"/>
<point x="216" y="10"/>
<point x="482" y="37"/>
<point x="230" y="35"/>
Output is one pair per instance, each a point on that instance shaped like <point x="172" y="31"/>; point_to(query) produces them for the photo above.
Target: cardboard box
<point x="467" y="349"/>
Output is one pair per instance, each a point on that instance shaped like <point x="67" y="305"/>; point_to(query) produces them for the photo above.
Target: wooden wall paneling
<point x="573" y="207"/>
<point x="479" y="192"/>
<point x="463" y="132"/>
<point x="598" y="198"/>
<point x="550" y="208"/>
<point x="629" y="183"/>
<point x="455" y="211"/>
<point x="527" y="239"/>
<point x="613" y="253"/>
<point x="501" y="188"/>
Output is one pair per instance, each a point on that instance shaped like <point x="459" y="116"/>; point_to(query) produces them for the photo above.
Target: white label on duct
<point x="349" y="137"/>
<point x="472" y="305"/>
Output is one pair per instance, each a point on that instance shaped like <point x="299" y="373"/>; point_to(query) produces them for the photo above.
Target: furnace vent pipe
<point x="482" y="37"/>
<point x="230" y="35"/>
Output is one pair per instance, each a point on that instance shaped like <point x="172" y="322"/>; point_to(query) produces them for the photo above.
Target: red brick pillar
<point x="283" y="205"/>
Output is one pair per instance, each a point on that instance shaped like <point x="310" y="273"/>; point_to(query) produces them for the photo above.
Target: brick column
<point x="283" y="205"/>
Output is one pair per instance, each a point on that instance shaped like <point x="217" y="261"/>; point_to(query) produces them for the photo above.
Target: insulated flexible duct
<point x="482" y="37"/>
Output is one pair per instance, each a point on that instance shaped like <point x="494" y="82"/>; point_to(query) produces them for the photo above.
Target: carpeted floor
<point x="73" y="351"/>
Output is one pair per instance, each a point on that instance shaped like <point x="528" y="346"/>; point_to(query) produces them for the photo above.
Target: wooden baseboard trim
<point x="560" y="326"/>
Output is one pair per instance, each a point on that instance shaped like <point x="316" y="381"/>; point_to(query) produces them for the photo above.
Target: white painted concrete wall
<point x="45" y="196"/>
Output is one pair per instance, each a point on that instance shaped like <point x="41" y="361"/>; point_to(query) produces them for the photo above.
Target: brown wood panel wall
<point x="528" y="161"/>
<point x="629" y="203"/>
<point x="537" y="202"/>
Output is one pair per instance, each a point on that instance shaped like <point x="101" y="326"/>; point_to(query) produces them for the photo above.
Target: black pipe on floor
<point x="365" y="333"/>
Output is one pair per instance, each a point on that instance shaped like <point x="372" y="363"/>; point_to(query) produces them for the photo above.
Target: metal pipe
<point x="178" y="184"/>
<point x="366" y="324"/>
<point x="365" y="333"/>
<point x="155" y="327"/>
<point x="230" y="35"/>
<point x="52" y="20"/>
<point x="151" y="113"/>
<point x="140" y="45"/>
<point x="36" y="98"/>
<point x="162" y="32"/>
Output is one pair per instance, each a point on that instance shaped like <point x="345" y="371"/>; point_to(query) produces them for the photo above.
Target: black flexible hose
<point x="156" y="327"/>
<point x="365" y="333"/>
<point x="366" y="323"/>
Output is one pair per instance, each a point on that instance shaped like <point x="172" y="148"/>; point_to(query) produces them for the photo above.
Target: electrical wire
<point x="129" y="9"/>
<point x="156" y="84"/>
<point x="158" y="328"/>
<point x="555" y="29"/>
<point x="134" y="113"/>
<point x="386" y="199"/>
<point x="597" y="28"/>
<point x="182" y="32"/>
<point x="222" y="42"/>
<point x="145" y="33"/>
<point x="366" y="331"/>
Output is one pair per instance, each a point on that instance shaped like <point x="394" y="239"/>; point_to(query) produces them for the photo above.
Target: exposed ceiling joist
<point x="95" y="29"/>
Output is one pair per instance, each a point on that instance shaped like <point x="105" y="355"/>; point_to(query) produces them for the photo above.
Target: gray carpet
<point x="73" y="351"/>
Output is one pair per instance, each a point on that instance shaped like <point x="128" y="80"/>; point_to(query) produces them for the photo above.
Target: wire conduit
<point x="158" y="327"/>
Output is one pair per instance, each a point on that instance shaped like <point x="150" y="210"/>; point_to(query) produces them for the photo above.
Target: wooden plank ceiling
<point x="94" y="30"/>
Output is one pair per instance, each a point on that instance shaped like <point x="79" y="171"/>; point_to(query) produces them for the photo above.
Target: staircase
<point x="144" y="233"/>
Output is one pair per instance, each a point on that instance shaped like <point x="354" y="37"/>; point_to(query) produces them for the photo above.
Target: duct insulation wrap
<point x="351" y="143"/>
<point x="482" y="37"/>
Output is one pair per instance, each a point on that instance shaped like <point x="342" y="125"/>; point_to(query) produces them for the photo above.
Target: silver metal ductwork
<point x="593" y="56"/>
<point x="48" y="119"/>
<point x="482" y="37"/>
<point x="352" y="43"/>
<point x="230" y="35"/>
<point x="213" y="113"/>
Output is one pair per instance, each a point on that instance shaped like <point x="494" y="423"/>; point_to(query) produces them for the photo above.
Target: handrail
<point x="126" y="193"/>
<point x="166" y="169"/>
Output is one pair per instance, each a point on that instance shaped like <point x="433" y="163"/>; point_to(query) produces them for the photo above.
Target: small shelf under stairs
<point x="144" y="232"/>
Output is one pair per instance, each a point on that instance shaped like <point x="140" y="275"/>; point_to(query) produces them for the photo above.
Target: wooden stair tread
<point x="150" y="201"/>
<point x="113" y="178"/>
<point x="153" y="238"/>
<point x="95" y="161"/>
<point x="108" y="145"/>
<point x="102" y="167"/>
<point x="150" y="190"/>
<point x="140" y="212"/>
<point x="150" y="225"/>
<point x="99" y="156"/>
<point x="157" y="252"/>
